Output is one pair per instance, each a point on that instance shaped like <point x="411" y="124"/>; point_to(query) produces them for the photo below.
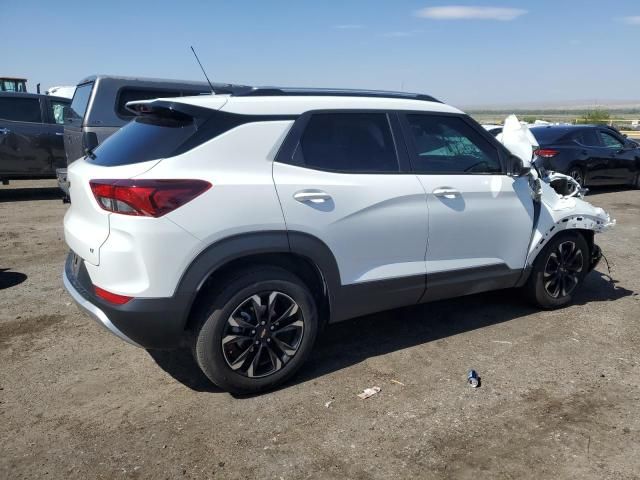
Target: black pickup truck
<point x="31" y="135"/>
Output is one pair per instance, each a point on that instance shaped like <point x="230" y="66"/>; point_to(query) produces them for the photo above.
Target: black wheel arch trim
<point x="226" y="250"/>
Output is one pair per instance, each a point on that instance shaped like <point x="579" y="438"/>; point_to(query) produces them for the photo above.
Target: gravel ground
<point x="560" y="394"/>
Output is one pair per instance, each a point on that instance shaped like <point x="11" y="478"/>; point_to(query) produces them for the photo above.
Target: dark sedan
<point x="593" y="155"/>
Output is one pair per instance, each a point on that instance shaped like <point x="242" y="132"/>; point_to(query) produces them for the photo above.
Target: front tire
<point x="558" y="271"/>
<point x="256" y="332"/>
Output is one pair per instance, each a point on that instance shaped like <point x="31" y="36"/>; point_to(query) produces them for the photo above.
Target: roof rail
<point x="330" y="92"/>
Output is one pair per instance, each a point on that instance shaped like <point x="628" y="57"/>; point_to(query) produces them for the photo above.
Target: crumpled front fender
<point x="558" y="214"/>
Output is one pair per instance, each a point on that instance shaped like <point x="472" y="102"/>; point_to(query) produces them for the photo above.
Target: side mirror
<point x="517" y="167"/>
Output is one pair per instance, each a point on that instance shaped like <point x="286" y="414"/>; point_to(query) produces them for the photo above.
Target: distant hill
<point x="575" y="105"/>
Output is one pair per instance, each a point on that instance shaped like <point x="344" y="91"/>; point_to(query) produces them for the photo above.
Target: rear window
<point x="144" y="139"/>
<point x="548" y="135"/>
<point x="80" y="101"/>
<point x="20" y="109"/>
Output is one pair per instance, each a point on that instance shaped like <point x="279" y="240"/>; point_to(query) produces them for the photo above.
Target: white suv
<point x="241" y="224"/>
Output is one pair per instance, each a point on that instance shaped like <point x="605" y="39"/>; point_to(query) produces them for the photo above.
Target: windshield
<point x="80" y="102"/>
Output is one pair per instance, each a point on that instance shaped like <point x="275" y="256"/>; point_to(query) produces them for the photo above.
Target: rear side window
<point x="450" y="145"/>
<point x="348" y="142"/>
<point x="20" y="109"/>
<point x="130" y="94"/>
<point x="587" y="137"/>
<point x="80" y="101"/>
<point x="144" y="139"/>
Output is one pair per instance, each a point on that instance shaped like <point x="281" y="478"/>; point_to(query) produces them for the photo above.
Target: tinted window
<point x="80" y="101"/>
<point x="609" y="140"/>
<point x="449" y="144"/>
<point x="20" y="109"/>
<point x="348" y="142"/>
<point x="131" y="94"/>
<point x="587" y="137"/>
<point x="145" y="138"/>
<point x="13" y="86"/>
<point x="57" y="111"/>
<point x="549" y="135"/>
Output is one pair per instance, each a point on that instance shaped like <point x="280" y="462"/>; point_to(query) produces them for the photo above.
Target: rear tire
<point x="558" y="271"/>
<point x="578" y="175"/>
<point x="256" y="332"/>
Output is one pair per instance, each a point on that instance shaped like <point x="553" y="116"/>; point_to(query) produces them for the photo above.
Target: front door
<point x="480" y="219"/>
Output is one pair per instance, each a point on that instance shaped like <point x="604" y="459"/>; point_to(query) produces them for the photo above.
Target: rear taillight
<point x="111" y="297"/>
<point x="546" y="152"/>
<point x="146" y="198"/>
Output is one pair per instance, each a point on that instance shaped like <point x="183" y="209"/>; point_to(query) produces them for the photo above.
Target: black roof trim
<point x="330" y="92"/>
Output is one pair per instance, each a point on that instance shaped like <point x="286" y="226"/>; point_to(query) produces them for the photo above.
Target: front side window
<point x="57" y="111"/>
<point x="20" y="109"/>
<point x="449" y="145"/>
<point x="348" y="142"/>
<point x="609" y="141"/>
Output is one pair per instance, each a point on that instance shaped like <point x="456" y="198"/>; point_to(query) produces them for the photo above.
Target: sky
<point x="466" y="53"/>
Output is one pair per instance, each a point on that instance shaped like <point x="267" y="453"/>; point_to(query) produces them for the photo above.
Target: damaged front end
<point x="559" y="199"/>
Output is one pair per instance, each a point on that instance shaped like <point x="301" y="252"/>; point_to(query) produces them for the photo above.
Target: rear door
<point x="23" y="146"/>
<point x="345" y="185"/>
<point x="480" y="219"/>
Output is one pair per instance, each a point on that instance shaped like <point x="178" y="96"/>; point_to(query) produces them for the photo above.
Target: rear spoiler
<point x="167" y="109"/>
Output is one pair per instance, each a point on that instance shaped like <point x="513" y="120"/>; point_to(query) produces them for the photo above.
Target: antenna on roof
<point x="205" y="73"/>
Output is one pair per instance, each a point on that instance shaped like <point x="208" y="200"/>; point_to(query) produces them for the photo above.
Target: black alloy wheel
<point x="255" y="329"/>
<point x="263" y="334"/>
<point x="563" y="270"/>
<point x="558" y="270"/>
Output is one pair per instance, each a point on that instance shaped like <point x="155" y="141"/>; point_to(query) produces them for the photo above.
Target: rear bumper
<point x="152" y="323"/>
<point x="93" y="311"/>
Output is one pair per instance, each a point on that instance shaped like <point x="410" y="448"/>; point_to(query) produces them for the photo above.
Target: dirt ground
<point x="560" y="394"/>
